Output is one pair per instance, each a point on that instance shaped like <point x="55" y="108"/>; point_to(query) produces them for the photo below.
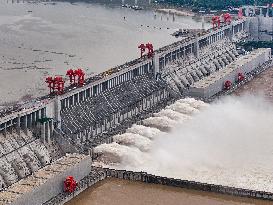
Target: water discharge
<point x="228" y="142"/>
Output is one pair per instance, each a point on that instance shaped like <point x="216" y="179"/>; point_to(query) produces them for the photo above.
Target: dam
<point x="47" y="139"/>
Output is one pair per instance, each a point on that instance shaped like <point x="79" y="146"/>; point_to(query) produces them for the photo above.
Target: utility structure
<point x="227" y="18"/>
<point x="55" y="85"/>
<point x="143" y="48"/>
<point x="150" y="48"/>
<point x="227" y="85"/>
<point x="76" y="73"/>
<point x="216" y="22"/>
<point x="240" y="13"/>
<point x="72" y="76"/>
<point x="241" y="77"/>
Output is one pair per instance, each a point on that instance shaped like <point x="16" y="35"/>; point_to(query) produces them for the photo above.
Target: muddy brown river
<point x="260" y="85"/>
<point x="123" y="192"/>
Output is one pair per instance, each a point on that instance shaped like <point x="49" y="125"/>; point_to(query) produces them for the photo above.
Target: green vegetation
<point x="217" y="4"/>
<point x="256" y="44"/>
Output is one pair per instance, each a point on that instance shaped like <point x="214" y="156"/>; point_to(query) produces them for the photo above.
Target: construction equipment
<point x="216" y="22"/>
<point x="56" y="85"/>
<point x="241" y="77"/>
<point x="76" y="73"/>
<point x="227" y="18"/>
<point x="150" y="48"/>
<point x="143" y="48"/>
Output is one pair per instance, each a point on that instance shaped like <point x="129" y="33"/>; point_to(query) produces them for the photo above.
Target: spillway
<point x="222" y="144"/>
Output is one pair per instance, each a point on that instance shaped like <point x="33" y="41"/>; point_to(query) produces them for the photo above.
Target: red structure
<point x="76" y="73"/>
<point x="150" y="48"/>
<point x="227" y="18"/>
<point x="55" y="85"/>
<point x="59" y="85"/>
<point x="72" y="76"/>
<point x="142" y="48"/>
<point x="241" y="77"/>
<point x="50" y="82"/>
<point x="240" y="13"/>
<point x="70" y="184"/>
<point x="227" y="85"/>
<point x="80" y="75"/>
<point x="216" y="22"/>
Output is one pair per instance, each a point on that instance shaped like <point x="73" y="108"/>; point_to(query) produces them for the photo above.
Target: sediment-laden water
<point x="41" y="39"/>
<point x="122" y="192"/>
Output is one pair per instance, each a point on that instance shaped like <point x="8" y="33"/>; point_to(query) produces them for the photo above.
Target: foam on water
<point x="134" y="140"/>
<point x="162" y="123"/>
<point x="229" y="142"/>
<point x="171" y="114"/>
<point x="183" y="108"/>
<point x="148" y="132"/>
<point x="197" y="104"/>
<point x="114" y="153"/>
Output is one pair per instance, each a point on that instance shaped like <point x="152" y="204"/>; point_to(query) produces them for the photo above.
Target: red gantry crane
<point x="59" y="85"/>
<point x="216" y="22"/>
<point x="227" y="85"/>
<point x="50" y="82"/>
<point x="143" y="48"/>
<point x="241" y="77"/>
<point x="150" y="48"/>
<point x="72" y="74"/>
<point x="79" y="72"/>
<point x="240" y="13"/>
<point x="56" y="85"/>
<point x="227" y="18"/>
<point x="72" y="77"/>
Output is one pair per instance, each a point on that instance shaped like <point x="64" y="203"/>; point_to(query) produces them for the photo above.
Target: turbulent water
<point x="229" y="142"/>
<point x="41" y="39"/>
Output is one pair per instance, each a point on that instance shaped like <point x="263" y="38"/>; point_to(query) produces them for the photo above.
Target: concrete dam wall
<point x="37" y="134"/>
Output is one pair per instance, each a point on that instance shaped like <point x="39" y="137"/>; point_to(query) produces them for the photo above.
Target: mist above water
<point x="229" y="142"/>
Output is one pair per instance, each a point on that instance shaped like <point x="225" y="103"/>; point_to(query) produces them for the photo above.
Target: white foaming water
<point x="229" y="142"/>
<point x="134" y="140"/>
<point x="162" y="123"/>
<point x="173" y="115"/>
<point x="148" y="132"/>
<point x="114" y="153"/>
<point x="197" y="104"/>
<point x="183" y="108"/>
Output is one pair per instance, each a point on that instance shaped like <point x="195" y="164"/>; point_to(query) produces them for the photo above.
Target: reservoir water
<point x="47" y="38"/>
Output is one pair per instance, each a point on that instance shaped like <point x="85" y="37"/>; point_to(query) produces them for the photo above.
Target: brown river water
<point x="123" y="192"/>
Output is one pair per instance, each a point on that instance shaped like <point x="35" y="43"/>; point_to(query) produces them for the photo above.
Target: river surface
<point x="41" y="39"/>
<point x="122" y="192"/>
